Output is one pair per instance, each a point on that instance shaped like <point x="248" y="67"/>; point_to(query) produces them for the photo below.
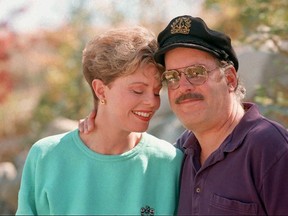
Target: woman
<point x="117" y="168"/>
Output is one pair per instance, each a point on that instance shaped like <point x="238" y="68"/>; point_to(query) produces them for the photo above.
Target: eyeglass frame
<point x="185" y="73"/>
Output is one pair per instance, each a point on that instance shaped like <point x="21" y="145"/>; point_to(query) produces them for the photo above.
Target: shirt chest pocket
<point x="224" y="206"/>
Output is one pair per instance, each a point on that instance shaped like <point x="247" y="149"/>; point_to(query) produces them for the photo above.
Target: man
<point x="235" y="159"/>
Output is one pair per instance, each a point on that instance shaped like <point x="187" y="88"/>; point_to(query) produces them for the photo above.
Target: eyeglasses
<point x="195" y="75"/>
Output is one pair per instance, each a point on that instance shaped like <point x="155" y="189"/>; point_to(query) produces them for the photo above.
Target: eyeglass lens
<point x="196" y="75"/>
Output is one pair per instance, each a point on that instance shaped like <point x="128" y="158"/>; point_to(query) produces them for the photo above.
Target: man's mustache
<point x="188" y="96"/>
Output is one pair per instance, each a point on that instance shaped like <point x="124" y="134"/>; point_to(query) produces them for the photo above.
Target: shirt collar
<point x="249" y="120"/>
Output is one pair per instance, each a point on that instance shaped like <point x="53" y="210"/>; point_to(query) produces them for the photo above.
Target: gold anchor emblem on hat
<point x="181" y="25"/>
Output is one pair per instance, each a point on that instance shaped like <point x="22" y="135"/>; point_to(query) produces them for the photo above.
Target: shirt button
<point x="198" y="190"/>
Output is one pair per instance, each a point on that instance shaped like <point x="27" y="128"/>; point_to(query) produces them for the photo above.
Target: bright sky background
<point x="39" y="13"/>
<point x="52" y="13"/>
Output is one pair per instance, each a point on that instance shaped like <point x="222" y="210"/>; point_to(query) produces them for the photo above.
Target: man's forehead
<point x="181" y="57"/>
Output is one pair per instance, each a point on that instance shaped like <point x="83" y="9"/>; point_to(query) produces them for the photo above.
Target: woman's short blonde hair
<point x="118" y="52"/>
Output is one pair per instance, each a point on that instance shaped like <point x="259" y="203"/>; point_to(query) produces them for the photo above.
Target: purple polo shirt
<point x="246" y="175"/>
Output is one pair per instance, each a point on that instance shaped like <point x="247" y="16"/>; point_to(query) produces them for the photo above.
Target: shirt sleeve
<point x="275" y="188"/>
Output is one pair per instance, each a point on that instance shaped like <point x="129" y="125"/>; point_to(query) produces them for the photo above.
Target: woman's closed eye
<point x="137" y="91"/>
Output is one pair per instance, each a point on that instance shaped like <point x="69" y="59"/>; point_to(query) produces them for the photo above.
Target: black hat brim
<point x="160" y="54"/>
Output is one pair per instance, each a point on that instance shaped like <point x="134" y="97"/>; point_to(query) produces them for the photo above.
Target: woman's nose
<point x="153" y="101"/>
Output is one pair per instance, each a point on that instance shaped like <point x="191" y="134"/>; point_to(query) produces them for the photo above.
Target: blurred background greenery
<point x="40" y="68"/>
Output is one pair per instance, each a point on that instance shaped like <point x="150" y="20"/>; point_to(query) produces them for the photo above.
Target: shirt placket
<point x="197" y="187"/>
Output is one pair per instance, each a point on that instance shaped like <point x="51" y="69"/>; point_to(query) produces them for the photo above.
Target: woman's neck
<point x="110" y="141"/>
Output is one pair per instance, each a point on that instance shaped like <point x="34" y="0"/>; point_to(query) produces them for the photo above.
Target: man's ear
<point x="99" y="88"/>
<point x="231" y="77"/>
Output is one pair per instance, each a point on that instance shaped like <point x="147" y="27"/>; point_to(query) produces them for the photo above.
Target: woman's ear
<point x="99" y="88"/>
<point x="231" y="78"/>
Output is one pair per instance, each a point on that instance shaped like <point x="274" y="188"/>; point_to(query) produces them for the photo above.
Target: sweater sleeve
<point x="26" y="195"/>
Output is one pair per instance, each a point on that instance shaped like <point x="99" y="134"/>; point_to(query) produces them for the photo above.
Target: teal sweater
<point x="63" y="176"/>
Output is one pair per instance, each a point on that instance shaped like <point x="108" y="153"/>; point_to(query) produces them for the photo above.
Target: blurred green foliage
<point x="253" y="21"/>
